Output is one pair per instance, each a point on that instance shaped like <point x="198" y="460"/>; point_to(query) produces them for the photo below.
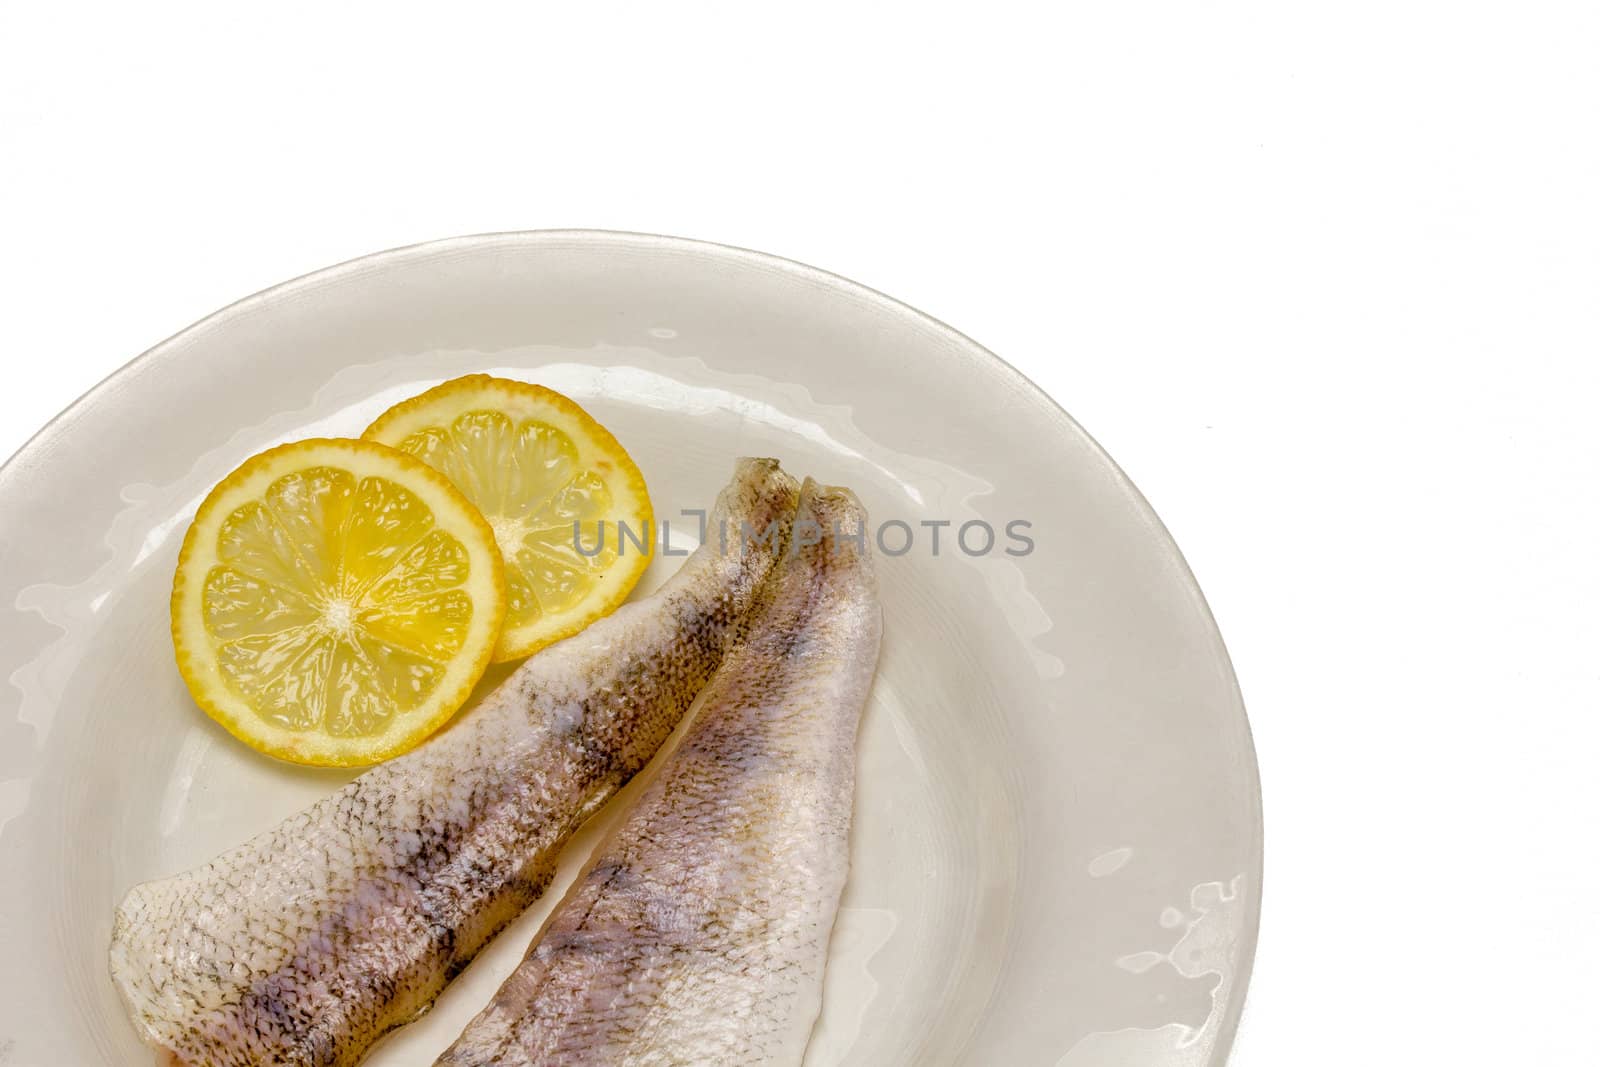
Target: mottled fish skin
<point x="309" y="942"/>
<point x="699" y="936"/>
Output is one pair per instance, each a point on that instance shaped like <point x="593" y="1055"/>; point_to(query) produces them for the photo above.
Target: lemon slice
<point x="568" y="506"/>
<point x="335" y="602"/>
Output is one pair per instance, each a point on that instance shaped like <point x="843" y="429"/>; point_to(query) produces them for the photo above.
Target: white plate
<point x="1057" y="845"/>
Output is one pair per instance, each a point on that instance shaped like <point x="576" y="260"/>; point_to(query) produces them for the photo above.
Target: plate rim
<point x="38" y="445"/>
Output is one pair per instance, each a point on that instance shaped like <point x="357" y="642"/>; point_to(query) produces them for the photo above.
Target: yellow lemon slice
<point x="568" y="506"/>
<point x="335" y="602"/>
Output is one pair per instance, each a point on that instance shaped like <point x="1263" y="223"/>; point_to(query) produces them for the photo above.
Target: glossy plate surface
<point x="1057" y="845"/>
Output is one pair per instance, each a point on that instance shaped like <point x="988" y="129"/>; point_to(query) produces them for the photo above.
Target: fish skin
<point x="309" y="942"/>
<point x="699" y="935"/>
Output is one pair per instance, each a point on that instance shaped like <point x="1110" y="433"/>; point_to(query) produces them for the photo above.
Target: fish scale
<point x="306" y="944"/>
<point x="698" y="936"/>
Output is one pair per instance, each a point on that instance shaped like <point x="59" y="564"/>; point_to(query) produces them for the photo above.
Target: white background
<point x="1325" y="278"/>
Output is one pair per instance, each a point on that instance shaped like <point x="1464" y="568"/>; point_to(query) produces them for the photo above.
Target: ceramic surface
<point x="1057" y="845"/>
